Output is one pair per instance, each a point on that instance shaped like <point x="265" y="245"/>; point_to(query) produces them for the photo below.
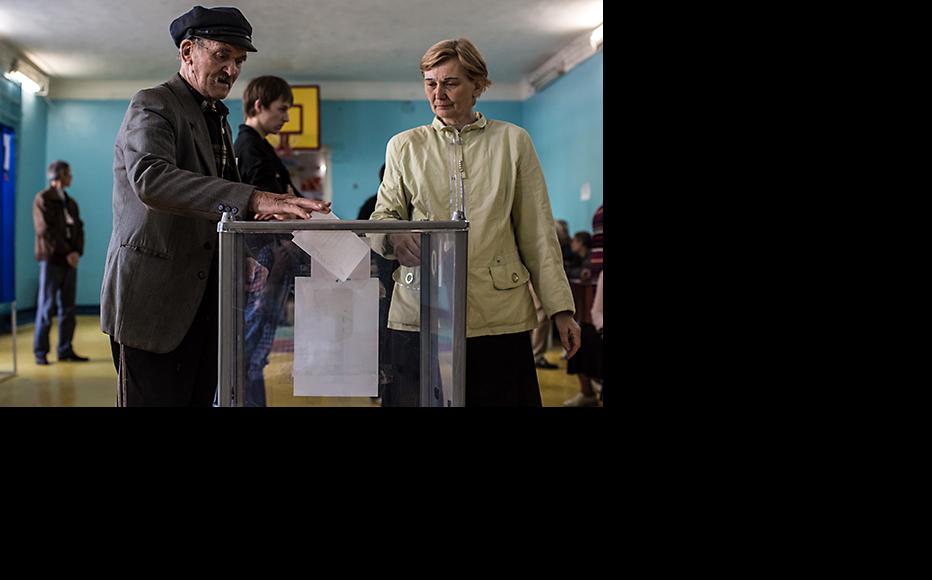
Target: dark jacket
<point x="258" y="164"/>
<point x="54" y="238"/>
<point x="167" y="200"/>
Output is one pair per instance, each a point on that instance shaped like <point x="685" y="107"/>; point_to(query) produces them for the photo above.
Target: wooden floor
<point x="93" y="384"/>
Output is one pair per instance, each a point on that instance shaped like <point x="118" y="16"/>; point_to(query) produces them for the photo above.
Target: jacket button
<point x="514" y="276"/>
<point x="409" y="277"/>
<point x="206" y="245"/>
<point x="202" y="274"/>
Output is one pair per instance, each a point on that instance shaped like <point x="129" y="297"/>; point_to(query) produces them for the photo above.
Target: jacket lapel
<point x="195" y="119"/>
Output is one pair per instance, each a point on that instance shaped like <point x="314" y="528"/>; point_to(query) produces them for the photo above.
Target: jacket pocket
<point x="408" y="277"/>
<point x="508" y="274"/>
<point x="146" y="251"/>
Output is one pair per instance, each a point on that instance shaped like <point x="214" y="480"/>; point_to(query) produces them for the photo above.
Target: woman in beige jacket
<point x="512" y="235"/>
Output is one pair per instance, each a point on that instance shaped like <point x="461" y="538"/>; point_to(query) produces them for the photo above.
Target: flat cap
<point x="223" y="24"/>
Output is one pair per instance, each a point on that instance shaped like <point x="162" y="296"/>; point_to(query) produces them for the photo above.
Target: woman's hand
<point x="570" y="335"/>
<point x="407" y="248"/>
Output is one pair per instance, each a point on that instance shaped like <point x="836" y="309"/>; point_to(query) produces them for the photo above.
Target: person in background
<point x="512" y="235"/>
<point x="588" y="364"/>
<point x="59" y="247"/>
<point x="597" y="316"/>
<point x="595" y="266"/>
<point x="174" y="176"/>
<point x="266" y="101"/>
<point x="579" y="267"/>
<point x="563" y="235"/>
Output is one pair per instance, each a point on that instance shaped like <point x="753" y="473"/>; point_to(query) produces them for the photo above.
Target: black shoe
<point x="545" y="364"/>
<point x="41" y="360"/>
<point x="73" y="357"/>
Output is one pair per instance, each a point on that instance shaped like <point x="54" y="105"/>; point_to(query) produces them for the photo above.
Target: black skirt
<point x="499" y="371"/>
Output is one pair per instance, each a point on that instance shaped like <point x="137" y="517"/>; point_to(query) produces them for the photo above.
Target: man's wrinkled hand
<point x="282" y="206"/>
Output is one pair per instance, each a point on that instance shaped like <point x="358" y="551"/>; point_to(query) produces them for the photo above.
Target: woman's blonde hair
<point x="468" y="55"/>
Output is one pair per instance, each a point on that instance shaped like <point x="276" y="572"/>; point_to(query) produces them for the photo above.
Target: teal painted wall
<point x="565" y="122"/>
<point x="83" y="133"/>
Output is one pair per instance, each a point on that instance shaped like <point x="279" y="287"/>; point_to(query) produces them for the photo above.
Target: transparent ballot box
<point x="304" y="314"/>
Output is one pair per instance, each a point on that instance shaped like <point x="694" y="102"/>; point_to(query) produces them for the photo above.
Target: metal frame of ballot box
<point x="447" y="292"/>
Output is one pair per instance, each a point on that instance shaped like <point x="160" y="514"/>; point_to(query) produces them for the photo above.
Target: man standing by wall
<point x="174" y="175"/>
<point x="59" y="246"/>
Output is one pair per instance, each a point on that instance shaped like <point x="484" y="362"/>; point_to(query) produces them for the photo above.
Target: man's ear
<point x="185" y="49"/>
<point x="257" y="106"/>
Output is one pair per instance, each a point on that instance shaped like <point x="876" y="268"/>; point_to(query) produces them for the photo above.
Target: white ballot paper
<point x="336" y="337"/>
<point x="338" y="252"/>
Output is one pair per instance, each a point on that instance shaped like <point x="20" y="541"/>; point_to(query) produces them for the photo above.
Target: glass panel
<point x="304" y="317"/>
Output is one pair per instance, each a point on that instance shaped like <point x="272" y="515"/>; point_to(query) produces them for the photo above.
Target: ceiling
<point x="335" y="40"/>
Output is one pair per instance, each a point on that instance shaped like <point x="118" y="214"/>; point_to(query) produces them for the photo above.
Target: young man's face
<point x="271" y="119"/>
<point x="214" y="66"/>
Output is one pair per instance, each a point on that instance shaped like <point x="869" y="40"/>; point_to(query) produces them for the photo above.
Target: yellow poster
<point x="302" y="131"/>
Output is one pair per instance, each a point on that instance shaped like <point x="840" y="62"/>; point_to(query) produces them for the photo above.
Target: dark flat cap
<point x="223" y="24"/>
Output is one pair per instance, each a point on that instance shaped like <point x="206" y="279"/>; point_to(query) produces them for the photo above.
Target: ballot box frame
<point x="231" y="378"/>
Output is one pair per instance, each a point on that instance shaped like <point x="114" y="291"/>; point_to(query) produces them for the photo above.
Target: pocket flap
<point x="408" y="276"/>
<point x="509" y="275"/>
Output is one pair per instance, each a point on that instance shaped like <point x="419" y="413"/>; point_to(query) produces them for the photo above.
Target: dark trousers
<point x="499" y="371"/>
<point x="184" y="377"/>
<point x="57" y="288"/>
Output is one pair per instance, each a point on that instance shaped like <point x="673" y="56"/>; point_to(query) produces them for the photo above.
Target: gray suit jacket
<point x="167" y="200"/>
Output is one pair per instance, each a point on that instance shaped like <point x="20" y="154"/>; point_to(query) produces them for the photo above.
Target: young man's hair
<point x="56" y="170"/>
<point x="266" y="90"/>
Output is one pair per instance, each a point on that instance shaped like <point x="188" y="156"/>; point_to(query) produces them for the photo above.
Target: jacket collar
<point x="479" y="123"/>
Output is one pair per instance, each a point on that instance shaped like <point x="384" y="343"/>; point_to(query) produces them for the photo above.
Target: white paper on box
<point x="336" y="337"/>
<point x="339" y="252"/>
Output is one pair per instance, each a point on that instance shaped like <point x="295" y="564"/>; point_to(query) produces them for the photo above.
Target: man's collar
<point x="205" y="103"/>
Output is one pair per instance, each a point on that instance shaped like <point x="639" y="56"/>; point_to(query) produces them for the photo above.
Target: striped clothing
<point x="596" y="255"/>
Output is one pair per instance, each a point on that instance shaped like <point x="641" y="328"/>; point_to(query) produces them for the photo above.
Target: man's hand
<point x="407" y="248"/>
<point x="282" y="206"/>
<point x="570" y="335"/>
<point x="73" y="258"/>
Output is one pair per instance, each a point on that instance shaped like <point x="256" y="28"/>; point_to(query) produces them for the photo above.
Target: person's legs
<point x="404" y="390"/>
<point x="184" y="377"/>
<point x="587" y="364"/>
<point x="539" y="339"/>
<point x="66" y="312"/>
<point x="44" y="306"/>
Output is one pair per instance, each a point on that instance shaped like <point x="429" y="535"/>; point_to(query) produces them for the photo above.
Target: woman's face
<point x="450" y="93"/>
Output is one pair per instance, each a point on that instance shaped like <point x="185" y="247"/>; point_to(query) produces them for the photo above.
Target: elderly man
<point x="174" y="174"/>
